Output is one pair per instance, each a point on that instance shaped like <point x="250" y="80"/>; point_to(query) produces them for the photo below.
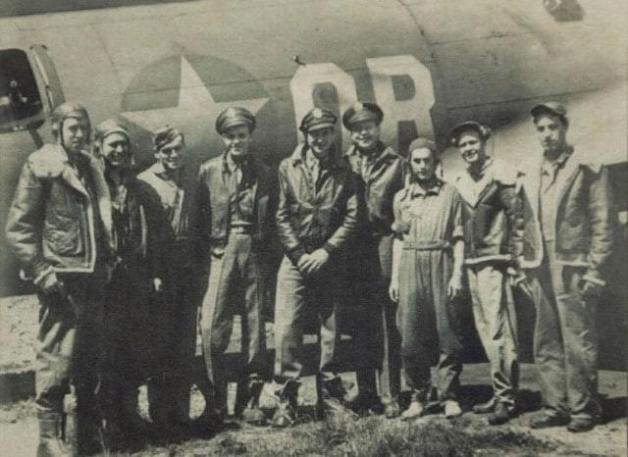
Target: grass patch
<point x="373" y="437"/>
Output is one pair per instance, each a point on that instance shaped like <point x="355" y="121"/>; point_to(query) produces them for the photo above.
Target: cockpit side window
<point x="21" y="106"/>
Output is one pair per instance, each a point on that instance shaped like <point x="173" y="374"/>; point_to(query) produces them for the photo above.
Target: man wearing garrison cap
<point x="427" y="280"/>
<point x="567" y="245"/>
<point x="493" y="244"/>
<point x="168" y="179"/>
<point x="232" y="231"/>
<point x="316" y="216"/>
<point x="379" y="173"/>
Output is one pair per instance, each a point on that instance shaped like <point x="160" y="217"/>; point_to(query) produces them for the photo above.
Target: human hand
<point x="49" y="283"/>
<point x="157" y="284"/>
<point x="454" y="287"/>
<point x="393" y="290"/>
<point x="315" y="261"/>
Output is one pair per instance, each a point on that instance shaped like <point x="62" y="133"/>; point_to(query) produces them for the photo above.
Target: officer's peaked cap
<point x="360" y="112"/>
<point x="316" y="119"/>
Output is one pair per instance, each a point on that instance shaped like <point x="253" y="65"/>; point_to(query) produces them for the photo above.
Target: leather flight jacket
<point x="312" y="217"/>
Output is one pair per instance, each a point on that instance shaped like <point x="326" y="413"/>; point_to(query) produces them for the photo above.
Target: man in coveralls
<point x="129" y="317"/>
<point x="492" y="215"/>
<point x="569" y="235"/>
<point x="379" y="173"/>
<point x="171" y="181"/>
<point x="316" y="216"/>
<point x="426" y="278"/>
<point x="59" y="227"/>
<point x="233" y="202"/>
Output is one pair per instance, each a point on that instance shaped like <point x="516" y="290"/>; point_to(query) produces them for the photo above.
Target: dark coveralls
<point x="312" y="214"/>
<point x="169" y="391"/>
<point x="233" y="225"/>
<point x="429" y="223"/>
<point x="379" y="177"/>
<point x="133" y="320"/>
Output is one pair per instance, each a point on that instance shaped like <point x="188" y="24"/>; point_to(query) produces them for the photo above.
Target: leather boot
<point x="51" y="434"/>
<point x="252" y="413"/>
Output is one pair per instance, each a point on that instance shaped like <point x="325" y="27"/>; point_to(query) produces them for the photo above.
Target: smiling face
<point x="365" y="134"/>
<point x="116" y="151"/>
<point x="423" y="164"/>
<point x="551" y="132"/>
<point x="237" y="140"/>
<point x="171" y="154"/>
<point x="471" y="146"/>
<point x="75" y="134"/>
<point x="320" y="141"/>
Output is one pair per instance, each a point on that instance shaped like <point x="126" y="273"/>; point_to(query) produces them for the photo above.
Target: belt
<point x="241" y="230"/>
<point x="435" y="245"/>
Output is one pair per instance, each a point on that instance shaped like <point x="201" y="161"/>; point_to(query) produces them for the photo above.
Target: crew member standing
<point x="233" y="227"/>
<point x="139" y="267"/>
<point x="172" y="182"/>
<point x="426" y="280"/>
<point x="379" y="173"/>
<point x="492" y="216"/>
<point x="316" y="216"/>
<point x="568" y="242"/>
<point x="59" y="227"/>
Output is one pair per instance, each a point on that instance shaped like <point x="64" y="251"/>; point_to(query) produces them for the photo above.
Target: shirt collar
<point x="417" y="190"/>
<point x="229" y="165"/>
<point x="485" y="167"/>
<point x="559" y="162"/>
<point x="300" y="153"/>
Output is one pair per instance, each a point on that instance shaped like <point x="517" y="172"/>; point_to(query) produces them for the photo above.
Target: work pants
<point x="565" y="340"/>
<point x="70" y="349"/>
<point x="495" y="321"/>
<point x="297" y="298"/>
<point x="235" y="287"/>
<point x="169" y="387"/>
<point x="375" y="328"/>
<point x="429" y="323"/>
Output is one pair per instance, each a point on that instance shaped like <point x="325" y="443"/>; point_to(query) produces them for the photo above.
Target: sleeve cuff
<point x="330" y="248"/>
<point x="295" y="254"/>
<point x="593" y="278"/>
<point x="42" y="276"/>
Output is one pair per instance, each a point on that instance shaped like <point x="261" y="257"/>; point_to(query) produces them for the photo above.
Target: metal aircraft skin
<point x="429" y="63"/>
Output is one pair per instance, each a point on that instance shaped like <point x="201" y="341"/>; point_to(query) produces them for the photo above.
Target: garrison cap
<point x="360" y="112"/>
<point x="551" y="107"/>
<point x="165" y="135"/>
<point x="317" y="118"/>
<point x="482" y="130"/>
<point x="423" y="143"/>
<point x="234" y="116"/>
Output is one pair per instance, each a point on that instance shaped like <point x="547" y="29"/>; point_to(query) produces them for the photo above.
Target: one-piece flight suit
<point x="429" y="222"/>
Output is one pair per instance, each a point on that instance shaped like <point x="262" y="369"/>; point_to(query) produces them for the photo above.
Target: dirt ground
<point x="465" y="436"/>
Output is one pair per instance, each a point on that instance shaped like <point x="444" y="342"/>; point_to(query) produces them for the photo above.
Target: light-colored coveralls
<point x="429" y="222"/>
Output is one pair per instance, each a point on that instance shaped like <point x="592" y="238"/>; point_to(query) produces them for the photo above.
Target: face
<point x="320" y="141"/>
<point x="471" y="146"/>
<point x="116" y="151"/>
<point x="237" y="139"/>
<point x="171" y="154"/>
<point x="74" y="134"/>
<point x="422" y="164"/>
<point x="365" y="134"/>
<point x="551" y="131"/>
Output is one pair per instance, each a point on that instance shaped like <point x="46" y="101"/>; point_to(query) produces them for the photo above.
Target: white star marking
<point x="196" y="112"/>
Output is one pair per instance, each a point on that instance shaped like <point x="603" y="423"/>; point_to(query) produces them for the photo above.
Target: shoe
<point x="331" y="399"/>
<point x="485" y="408"/>
<point x="392" y="410"/>
<point x="285" y="414"/>
<point x="367" y="403"/>
<point x="581" y="424"/>
<point x="414" y="411"/>
<point x="51" y="434"/>
<point x="545" y="421"/>
<point x="500" y="415"/>
<point x="252" y="414"/>
<point x="452" y="409"/>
